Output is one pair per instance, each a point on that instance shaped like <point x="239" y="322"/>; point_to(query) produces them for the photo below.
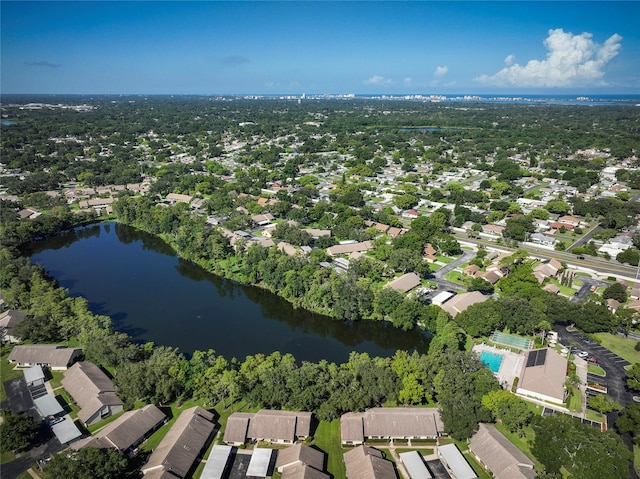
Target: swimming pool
<point x="493" y="360"/>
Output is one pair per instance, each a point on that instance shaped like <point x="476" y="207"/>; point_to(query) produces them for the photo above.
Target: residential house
<point x="347" y="248"/>
<point x="461" y="302"/>
<point x="498" y="455"/>
<point x="287" y="248"/>
<point x="364" y="462"/>
<point x="301" y="462"/>
<point x="177" y="198"/>
<point x="471" y="270"/>
<point x="317" y="233"/>
<point x="541" y="239"/>
<point x="543" y="376"/>
<point x="551" y="288"/>
<point x="569" y="220"/>
<point x="429" y="253"/>
<point x="390" y="423"/>
<point x="126" y="432"/>
<point x="263" y="219"/>
<point x="8" y="321"/>
<point x="28" y="214"/>
<point x="556" y="225"/>
<point x="616" y="245"/>
<point x="491" y="277"/>
<point x="53" y="356"/>
<point x="93" y="392"/>
<point x="494" y="230"/>
<point x="179" y="449"/>
<point x="394" y="231"/>
<point x="613" y="305"/>
<point x="404" y="283"/>
<point x="283" y="427"/>
<point x="411" y="214"/>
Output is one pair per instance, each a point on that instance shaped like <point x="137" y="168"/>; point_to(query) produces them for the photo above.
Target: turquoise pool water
<point x="493" y="360"/>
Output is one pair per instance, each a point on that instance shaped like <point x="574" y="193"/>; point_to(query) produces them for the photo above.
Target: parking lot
<point x="18" y="397"/>
<point x="613" y="365"/>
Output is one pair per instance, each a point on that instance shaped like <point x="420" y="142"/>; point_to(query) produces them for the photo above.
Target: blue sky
<point x="319" y="47"/>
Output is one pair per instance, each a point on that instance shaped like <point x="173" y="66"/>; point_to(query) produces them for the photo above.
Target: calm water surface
<point x="153" y="295"/>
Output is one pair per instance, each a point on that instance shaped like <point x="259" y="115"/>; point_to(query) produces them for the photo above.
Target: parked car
<point x="582" y="354"/>
<point x="593" y="360"/>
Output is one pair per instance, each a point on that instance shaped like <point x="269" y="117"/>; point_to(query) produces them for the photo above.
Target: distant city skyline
<point x="320" y="47"/>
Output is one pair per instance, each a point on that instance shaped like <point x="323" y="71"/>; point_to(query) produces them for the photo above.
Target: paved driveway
<point x="612" y="364"/>
<point x="18" y="397"/>
<point x="438" y="470"/>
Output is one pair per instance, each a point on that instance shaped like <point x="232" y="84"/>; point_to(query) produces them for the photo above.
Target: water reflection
<point x="155" y="296"/>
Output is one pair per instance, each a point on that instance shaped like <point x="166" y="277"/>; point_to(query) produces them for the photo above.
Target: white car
<point x="582" y="354"/>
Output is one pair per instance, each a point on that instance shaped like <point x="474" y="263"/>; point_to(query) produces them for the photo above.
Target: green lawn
<point x="153" y="441"/>
<point x="623" y="347"/>
<point x="95" y="427"/>
<point x="327" y="438"/>
<point x="595" y="416"/>
<point x="593" y="369"/>
<point x="521" y="443"/>
<point x="7" y="372"/>
<point x="387" y="454"/>
<point x="444" y="259"/>
<point x="574" y="403"/>
<point x="636" y="458"/>
<point x="566" y="290"/>
<point x="455" y="277"/>
<point x="7" y="456"/>
<point x="480" y="472"/>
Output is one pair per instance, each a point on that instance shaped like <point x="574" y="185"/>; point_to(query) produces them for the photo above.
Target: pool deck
<point x="510" y="367"/>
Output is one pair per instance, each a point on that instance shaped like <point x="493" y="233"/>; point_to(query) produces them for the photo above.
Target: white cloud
<point x="509" y="59"/>
<point x="408" y="81"/>
<point x="378" y="80"/>
<point x="441" y="71"/>
<point x="572" y="60"/>
<point x="272" y="84"/>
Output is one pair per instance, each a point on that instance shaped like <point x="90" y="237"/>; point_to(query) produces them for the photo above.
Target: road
<point x="615" y="380"/>
<point x="612" y="364"/>
<point x="438" y="276"/>
<point x="600" y="265"/>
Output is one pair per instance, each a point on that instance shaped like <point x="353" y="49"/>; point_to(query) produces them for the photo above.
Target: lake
<point x="153" y="295"/>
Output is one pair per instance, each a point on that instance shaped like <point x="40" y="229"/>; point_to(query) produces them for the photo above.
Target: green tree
<point x="616" y="291"/>
<point x="603" y="403"/>
<point x="480" y="284"/>
<point x="460" y="386"/>
<point x="91" y="462"/>
<point x="563" y="440"/>
<point x="633" y="377"/>
<point x="629" y="421"/>
<point x="511" y="410"/>
<point x="17" y="431"/>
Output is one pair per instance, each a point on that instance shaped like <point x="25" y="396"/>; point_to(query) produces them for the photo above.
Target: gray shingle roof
<point x="365" y="462"/>
<point x="300" y="453"/>
<point x="182" y="444"/>
<point x="54" y="355"/>
<point x="392" y="422"/>
<point x="499" y="455"/>
<point x="90" y="388"/>
<point x="125" y="431"/>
